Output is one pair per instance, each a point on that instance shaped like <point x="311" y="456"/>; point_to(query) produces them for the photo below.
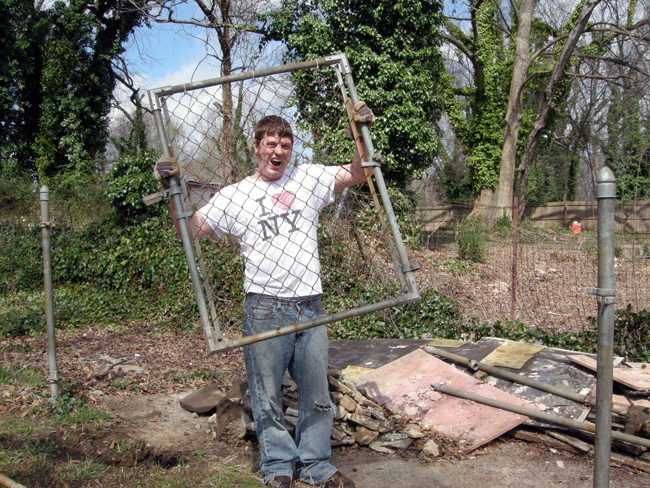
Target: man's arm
<point x="165" y="167"/>
<point x="350" y="174"/>
<point x="353" y="173"/>
<point x="200" y="224"/>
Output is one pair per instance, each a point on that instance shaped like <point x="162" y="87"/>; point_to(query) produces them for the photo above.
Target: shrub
<point x="434" y="315"/>
<point x="472" y="235"/>
<point x="130" y="179"/>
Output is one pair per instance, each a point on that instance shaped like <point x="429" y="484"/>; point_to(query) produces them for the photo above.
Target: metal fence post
<point x="53" y="380"/>
<point x="605" y="293"/>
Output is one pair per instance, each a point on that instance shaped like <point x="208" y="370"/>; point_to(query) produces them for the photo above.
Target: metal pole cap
<point x="605" y="183"/>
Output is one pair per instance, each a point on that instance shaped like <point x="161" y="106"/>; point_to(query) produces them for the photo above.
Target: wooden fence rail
<point x="630" y="217"/>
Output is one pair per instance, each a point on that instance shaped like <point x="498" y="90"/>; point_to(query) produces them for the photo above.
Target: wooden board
<point x="512" y="354"/>
<point x="635" y="378"/>
<point x="446" y="343"/>
<point x="404" y="387"/>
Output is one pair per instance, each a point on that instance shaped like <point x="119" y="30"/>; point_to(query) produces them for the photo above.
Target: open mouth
<point x="276" y="162"/>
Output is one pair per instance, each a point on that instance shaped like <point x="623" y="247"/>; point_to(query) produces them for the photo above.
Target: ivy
<point x="57" y="82"/>
<point x="393" y="51"/>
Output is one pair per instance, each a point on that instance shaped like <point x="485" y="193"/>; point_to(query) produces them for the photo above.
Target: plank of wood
<point x="635" y="378"/>
<point x="404" y="387"/>
<point x="538" y="437"/>
<point x="512" y="354"/>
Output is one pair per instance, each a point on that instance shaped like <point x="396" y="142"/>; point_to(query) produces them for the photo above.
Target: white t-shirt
<point x="276" y="225"/>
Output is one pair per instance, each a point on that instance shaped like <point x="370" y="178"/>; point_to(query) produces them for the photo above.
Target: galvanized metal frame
<point x="53" y="378"/>
<point x="404" y="269"/>
<point x="605" y="294"/>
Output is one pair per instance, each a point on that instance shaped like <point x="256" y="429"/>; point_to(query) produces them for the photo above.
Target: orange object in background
<point x="575" y="227"/>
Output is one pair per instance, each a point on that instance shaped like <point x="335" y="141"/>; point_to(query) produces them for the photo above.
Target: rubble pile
<point x="358" y="420"/>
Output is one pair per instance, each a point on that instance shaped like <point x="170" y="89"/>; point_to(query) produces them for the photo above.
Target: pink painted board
<point x="404" y="387"/>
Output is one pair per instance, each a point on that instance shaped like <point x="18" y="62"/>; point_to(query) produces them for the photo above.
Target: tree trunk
<point x="545" y="106"/>
<point x="513" y="114"/>
<point x="484" y="205"/>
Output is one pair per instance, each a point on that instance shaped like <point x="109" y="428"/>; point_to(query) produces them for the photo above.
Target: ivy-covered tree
<point x="627" y="150"/>
<point x="518" y="62"/>
<point x="393" y="50"/>
<point x="477" y="110"/>
<point x="57" y="82"/>
<point x="21" y="30"/>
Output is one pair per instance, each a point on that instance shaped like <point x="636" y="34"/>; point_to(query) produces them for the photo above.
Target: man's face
<point x="273" y="155"/>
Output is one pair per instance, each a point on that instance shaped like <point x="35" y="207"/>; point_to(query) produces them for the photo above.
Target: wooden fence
<point x="630" y="217"/>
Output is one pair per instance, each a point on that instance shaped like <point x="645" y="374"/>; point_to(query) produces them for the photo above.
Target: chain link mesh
<point x="552" y="271"/>
<point x="210" y="130"/>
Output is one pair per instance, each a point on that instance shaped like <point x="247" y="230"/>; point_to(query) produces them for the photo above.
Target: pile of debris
<point x="415" y="403"/>
<point x="358" y="420"/>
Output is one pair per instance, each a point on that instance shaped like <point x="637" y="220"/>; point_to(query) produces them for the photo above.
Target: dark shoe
<point x="338" y="480"/>
<point x="280" y="482"/>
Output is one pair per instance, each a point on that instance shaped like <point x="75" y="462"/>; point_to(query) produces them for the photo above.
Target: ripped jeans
<point x="304" y="355"/>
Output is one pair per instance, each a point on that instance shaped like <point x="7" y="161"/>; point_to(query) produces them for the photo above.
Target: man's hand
<point x="361" y="113"/>
<point x="165" y="167"/>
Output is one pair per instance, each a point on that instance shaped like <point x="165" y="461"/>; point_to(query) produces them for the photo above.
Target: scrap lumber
<point x="635" y="378"/>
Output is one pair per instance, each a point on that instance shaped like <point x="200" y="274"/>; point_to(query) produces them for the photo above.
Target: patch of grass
<point x="22" y="427"/>
<point x="24" y="376"/>
<point x="68" y="410"/>
<point x="80" y="471"/>
<point x="457" y="266"/>
<point x="193" y="376"/>
<point x="31" y="460"/>
<point x="231" y="476"/>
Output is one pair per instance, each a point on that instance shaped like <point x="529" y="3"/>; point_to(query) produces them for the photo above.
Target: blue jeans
<point x="304" y="355"/>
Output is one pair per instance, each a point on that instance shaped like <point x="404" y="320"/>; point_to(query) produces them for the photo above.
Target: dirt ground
<point x="163" y="424"/>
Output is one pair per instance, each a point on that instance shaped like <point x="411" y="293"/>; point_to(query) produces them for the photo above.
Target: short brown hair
<point x="273" y="124"/>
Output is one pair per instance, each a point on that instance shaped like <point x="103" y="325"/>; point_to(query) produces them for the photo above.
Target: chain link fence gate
<point x="208" y="126"/>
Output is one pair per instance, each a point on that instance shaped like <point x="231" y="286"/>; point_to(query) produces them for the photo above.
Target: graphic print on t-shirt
<point x="283" y="200"/>
<point x="270" y="223"/>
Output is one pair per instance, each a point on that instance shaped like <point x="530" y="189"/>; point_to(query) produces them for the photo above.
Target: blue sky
<point x="167" y="54"/>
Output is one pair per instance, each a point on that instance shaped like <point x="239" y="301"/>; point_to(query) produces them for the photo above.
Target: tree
<point x="58" y="83"/>
<point x="478" y="69"/>
<point x="21" y="29"/>
<point x="392" y="47"/>
<point x="510" y="54"/>
<point x="578" y="26"/>
<point x="546" y="53"/>
<point x="236" y="28"/>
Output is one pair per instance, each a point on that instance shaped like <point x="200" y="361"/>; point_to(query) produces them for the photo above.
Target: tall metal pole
<point x="605" y="293"/>
<point x="49" y="302"/>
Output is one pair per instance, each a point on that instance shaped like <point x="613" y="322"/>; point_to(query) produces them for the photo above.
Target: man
<point x="274" y="216"/>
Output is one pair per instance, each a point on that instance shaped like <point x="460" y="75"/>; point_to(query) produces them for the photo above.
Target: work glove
<point x="165" y="167"/>
<point x="361" y="113"/>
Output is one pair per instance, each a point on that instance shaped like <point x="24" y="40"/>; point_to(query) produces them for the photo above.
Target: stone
<point x="413" y="431"/>
<point x="204" y="400"/>
<point x="238" y="390"/>
<point x="369" y="423"/>
<point x="346" y="441"/>
<point x="231" y="420"/>
<point x="348" y="403"/>
<point x="338" y="434"/>
<point x="379" y="447"/>
<point x="365" y="436"/>
<point x="336" y="396"/>
<point x="430" y="448"/>
<point x="398" y="443"/>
